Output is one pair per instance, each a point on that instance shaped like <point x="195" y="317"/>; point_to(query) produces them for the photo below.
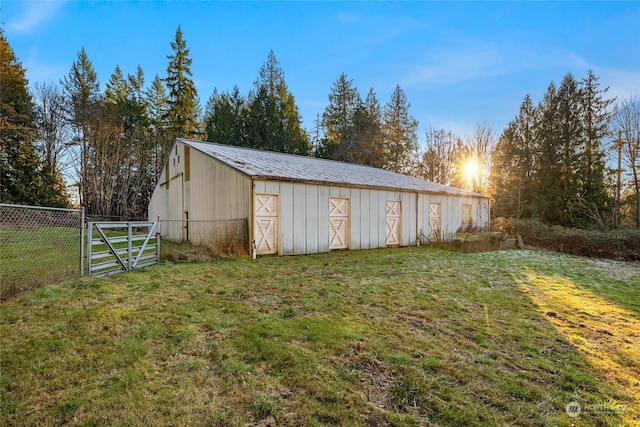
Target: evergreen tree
<point x="338" y="119"/>
<point x="183" y="109"/>
<point x="593" y="198"/>
<point x="400" y="138"/>
<point x="225" y="117"/>
<point x="82" y="88"/>
<point x="19" y="164"/>
<point x="134" y="160"/>
<point x="157" y="103"/>
<point x="365" y="142"/>
<point x="262" y="121"/>
<point x="512" y="165"/>
<point x="117" y="87"/>
<point x="547" y="178"/>
<point x="549" y="162"/>
<point x="569" y="138"/>
<point x="83" y="91"/>
<point x="273" y="120"/>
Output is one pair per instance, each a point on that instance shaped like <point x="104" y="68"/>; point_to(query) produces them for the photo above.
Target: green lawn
<point x="409" y="336"/>
<point x="31" y="258"/>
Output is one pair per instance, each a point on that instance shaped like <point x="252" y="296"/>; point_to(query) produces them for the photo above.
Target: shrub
<point x="621" y="244"/>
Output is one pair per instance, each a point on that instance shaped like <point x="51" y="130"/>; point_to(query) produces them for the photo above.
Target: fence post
<point x="89" y="246"/>
<point x="82" y="242"/>
<point x="130" y="246"/>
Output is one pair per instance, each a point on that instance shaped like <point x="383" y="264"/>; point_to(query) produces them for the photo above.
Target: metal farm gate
<point x="114" y="247"/>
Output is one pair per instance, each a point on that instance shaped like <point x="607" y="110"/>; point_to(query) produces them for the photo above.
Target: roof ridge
<point x="265" y="164"/>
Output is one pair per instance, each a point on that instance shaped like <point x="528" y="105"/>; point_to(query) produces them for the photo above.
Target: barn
<point x="294" y="204"/>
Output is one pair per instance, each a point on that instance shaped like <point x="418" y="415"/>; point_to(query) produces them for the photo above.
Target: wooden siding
<point x="217" y="191"/>
<point x="304" y="221"/>
<point x="214" y="191"/>
<point x="451" y="213"/>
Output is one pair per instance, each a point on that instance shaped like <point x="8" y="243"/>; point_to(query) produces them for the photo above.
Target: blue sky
<point x="459" y="63"/>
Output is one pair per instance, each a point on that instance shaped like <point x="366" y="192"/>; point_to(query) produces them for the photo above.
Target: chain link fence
<point x="224" y="236"/>
<point x="38" y="246"/>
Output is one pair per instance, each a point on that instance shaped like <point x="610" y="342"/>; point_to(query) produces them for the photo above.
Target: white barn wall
<point x="451" y="213"/>
<point x="214" y="192"/>
<point x="218" y="191"/>
<point x="158" y="203"/>
<point x="304" y="219"/>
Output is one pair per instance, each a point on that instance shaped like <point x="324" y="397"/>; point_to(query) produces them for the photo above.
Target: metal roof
<point x="261" y="164"/>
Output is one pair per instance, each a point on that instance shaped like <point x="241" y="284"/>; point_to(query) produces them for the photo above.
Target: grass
<point x="36" y="257"/>
<point x="401" y="337"/>
<point x="52" y="252"/>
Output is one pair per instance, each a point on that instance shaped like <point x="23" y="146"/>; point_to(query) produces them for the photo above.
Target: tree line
<point x="549" y="163"/>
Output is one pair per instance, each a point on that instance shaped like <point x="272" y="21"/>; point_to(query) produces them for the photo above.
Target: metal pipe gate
<point x="114" y="247"/>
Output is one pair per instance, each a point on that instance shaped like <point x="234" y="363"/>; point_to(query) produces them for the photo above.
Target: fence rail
<point x="37" y="246"/>
<point x="114" y="247"/>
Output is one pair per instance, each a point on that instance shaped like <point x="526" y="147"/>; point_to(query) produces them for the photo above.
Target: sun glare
<point x="471" y="170"/>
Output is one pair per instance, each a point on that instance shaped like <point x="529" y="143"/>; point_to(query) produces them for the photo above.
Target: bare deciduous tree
<point x="437" y="162"/>
<point x="626" y="123"/>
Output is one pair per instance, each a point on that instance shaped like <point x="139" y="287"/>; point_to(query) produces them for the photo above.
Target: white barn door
<point x="266" y="224"/>
<point x="338" y="223"/>
<point x="467" y="219"/>
<point x="483" y="213"/>
<point x="434" y="222"/>
<point x="392" y="220"/>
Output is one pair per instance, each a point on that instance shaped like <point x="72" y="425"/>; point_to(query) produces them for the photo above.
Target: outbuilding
<point x="290" y="204"/>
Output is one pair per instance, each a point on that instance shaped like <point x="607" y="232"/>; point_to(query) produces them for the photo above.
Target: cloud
<point x="622" y="83"/>
<point x="348" y="18"/>
<point x="456" y="65"/>
<point x="34" y="14"/>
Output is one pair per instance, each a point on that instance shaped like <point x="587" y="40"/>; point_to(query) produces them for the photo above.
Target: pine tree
<point x="263" y="130"/>
<point x="338" y="119"/>
<point x="595" y="118"/>
<point x="19" y="164"/>
<point x="183" y="109"/>
<point x="116" y="88"/>
<point x="82" y="87"/>
<point x="512" y="165"/>
<point x="549" y="162"/>
<point x="569" y="138"/>
<point x="548" y="177"/>
<point x="273" y="120"/>
<point x="225" y="117"/>
<point x="366" y="141"/>
<point x="83" y="91"/>
<point x="135" y="158"/>
<point x="400" y="138"/>
<point x="157" y="103"/>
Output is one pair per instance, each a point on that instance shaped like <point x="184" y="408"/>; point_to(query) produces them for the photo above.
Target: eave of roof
<point x="270" y="165"/>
